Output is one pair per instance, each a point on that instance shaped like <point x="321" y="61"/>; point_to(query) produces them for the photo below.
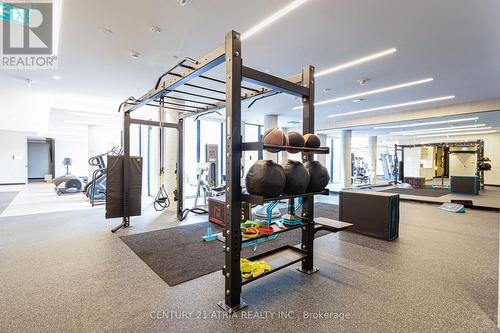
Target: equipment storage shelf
<point x="177" y="81"/>
<point x="277" y="232"/>
<point x="278" y="258"/>
<point x="260" y="200"/>
<point x="248" y="146"/>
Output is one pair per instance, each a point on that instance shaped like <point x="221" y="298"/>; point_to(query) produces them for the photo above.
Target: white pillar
<point x="322" y="157"/>
<point x="372" y="157"/>
<point x="270" y="121"/>
<point x="345" y="159"/>
<point x="170" y="152"/>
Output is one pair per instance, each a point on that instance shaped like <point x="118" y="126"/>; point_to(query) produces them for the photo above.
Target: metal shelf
<point x="278" y="258"/>
<point x="260" y="200"/>
<point x="250" y="240"/>
<point x="246" y="146"/>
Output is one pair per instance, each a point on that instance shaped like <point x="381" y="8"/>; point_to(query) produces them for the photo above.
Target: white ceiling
<point x="490" y="119"/>
<point x="457" y="42"/>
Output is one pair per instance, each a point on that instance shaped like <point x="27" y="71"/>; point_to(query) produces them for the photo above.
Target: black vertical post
<point x="232" y="274"/>
<point x="180" y="170"/>
<point x="396" y="165"/>
<point x="308" y="201"/>
<point x="126" y="173"/>
<point x="126" y="168"/>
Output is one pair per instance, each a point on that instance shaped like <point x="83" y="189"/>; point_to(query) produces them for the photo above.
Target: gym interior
<point x="228" y="166"/>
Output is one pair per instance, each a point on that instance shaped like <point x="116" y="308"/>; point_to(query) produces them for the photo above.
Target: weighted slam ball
<point x="294" y="139"/>
<point x="312" y="141"/>
<point x="318" y="176"/>
<point x="274" y="136"/>
<point x="297" y="177"/>
<point x="265" y="178"/>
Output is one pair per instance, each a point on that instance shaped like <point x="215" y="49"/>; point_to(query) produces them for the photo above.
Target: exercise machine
<point x="95" y="189"/>
<point x="359" y="171"/>
<point x="68" y="183"/>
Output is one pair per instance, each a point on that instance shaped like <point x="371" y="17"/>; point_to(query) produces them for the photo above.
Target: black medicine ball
<point x="297" y="177"/>
<point x="294" y="139"/>
<point x="318" y="176"/>
<point x="312" y="140"/>
<point x="265" y="178"/>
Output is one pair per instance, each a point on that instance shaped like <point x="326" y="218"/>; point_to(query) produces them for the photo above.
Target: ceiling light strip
<point x="270" y="19"/>
<point x="371" y="92"/>
<point x="355" y="62"/>
<point x="455" y="134"/>
<point x="428" y="123"/>
<point x="445" y="129"/>
<point x="387" y="107"/>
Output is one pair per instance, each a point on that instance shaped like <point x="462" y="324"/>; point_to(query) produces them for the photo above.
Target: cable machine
<point x="168" y="87"/>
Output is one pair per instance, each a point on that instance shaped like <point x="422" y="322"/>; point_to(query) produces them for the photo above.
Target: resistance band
<point x="253" y="268"/>
<point x="161" y="200"/>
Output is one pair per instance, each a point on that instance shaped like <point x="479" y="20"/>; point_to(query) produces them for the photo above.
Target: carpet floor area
<point x="423" y="192"/>
<point x="179" y="254"/>
<point x="6" y="198"/>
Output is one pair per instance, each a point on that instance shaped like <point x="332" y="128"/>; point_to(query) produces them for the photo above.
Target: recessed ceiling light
<point x="363" y="82"/>
<point x="428" y="123"/>
<point x="393" y="106"/>
<point x="155" y="29"/>
<point x="454" y="134"/>
<point x="134" y="54"/>
<point x="355" y="62"/>
<point x="371" y="92"/>
<point x="106" y="31"/>
<point x="56" y="77"/>
<point x="270" y="19"/>
<point x="184" y="2"/>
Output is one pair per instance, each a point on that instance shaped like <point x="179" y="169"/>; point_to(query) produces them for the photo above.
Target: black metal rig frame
<point x="301" y="85"/>
<point x="478" y="144"/>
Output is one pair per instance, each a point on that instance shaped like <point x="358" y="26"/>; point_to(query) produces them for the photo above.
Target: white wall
<point x="74" y="148"/>
<point x="463" y="164"/>
<point x="492" y="150"/>
<point x="101" y="140"/>
<point x="13" y="157"/>
<point x="412" y="162"/>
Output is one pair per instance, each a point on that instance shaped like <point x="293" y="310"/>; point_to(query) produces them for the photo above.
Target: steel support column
<point x="308" y="201"/>
<point x="126" y="172"/>
<point x="232" y="274"/>
<point x="179" y="193"/>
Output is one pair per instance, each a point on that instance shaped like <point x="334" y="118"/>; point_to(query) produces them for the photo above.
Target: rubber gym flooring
<point x="178" y="254"/>
<point x="66" y="272"/>
<point x="6" y="198"/>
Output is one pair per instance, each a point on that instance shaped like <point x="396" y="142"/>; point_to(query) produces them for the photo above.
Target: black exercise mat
<point x="179" y="254"/>
<point x="423" y="192"/>
<point x="6" y="198"/>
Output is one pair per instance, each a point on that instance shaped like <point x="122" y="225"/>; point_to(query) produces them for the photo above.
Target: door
<point x="39" y="160"/>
